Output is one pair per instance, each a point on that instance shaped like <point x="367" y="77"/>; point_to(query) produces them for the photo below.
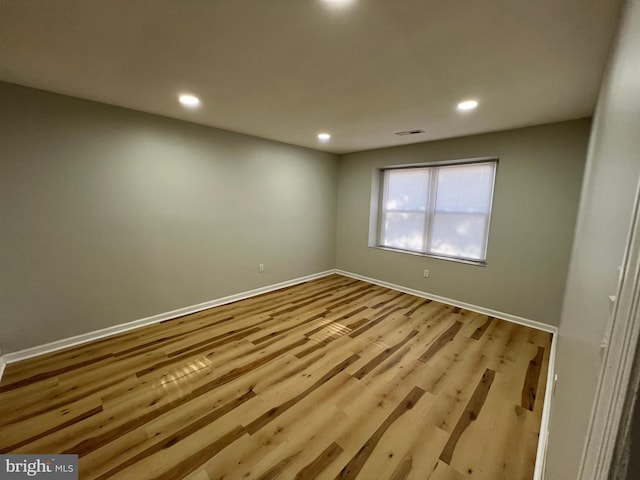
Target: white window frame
<point x="431" y="201"/>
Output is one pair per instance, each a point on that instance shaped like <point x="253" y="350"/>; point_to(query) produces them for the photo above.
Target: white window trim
<point x="380" y="211"/>
<point x="478" y="263"/>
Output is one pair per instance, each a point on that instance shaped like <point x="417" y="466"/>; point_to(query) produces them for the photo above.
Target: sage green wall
<point x="110" y="215"/>
<point x="535" y="202"/>
<point x="610" y="185"/>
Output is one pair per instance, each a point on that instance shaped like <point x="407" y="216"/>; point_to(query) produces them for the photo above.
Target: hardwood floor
<point x="331" y="379"/>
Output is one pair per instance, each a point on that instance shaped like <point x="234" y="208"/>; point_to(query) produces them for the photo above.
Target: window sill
<point x="428" y="255"/>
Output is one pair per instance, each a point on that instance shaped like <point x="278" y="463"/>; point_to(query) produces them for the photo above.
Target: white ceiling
<point x="289" y="69"/>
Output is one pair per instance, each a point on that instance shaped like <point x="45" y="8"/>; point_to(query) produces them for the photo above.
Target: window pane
<point x="404" y="231"/>
<point x="407" y="189"/>
<point x="465" y="188"/>
<point x="458" y="235"/>
<point x="463" y="202"/>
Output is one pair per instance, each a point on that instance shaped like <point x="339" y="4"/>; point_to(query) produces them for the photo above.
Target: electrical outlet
<point x="261" y="268"/>
<point x="425" y="273"/>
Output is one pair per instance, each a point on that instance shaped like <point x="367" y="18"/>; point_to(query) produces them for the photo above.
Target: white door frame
<point x="618" y="362"/>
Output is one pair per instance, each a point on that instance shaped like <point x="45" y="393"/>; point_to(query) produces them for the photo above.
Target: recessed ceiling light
<point x="324" y="137"/>
<point x="467" y="105"/>
<point x="189" y="101"/>
<point x="338" y="3"/>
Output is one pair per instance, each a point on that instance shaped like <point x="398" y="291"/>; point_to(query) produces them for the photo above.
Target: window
<point x="439" y="210"/>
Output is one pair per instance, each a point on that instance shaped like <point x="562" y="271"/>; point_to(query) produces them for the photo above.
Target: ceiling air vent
<point x="410" y="132"/>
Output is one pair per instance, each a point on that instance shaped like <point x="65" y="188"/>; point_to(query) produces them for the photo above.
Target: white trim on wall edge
<point x="610" y="419"/>
<point x="541" y="455"/>
<point x="543" y="438"/>
<point x="124" y="327"/>
<point x="467" y="306"/>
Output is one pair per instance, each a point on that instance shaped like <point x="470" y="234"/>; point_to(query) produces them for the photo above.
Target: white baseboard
<point x="2" y="365"/>
<point x="467" y="306"/>
<point x="124" y="327"/>
<point x="543" y="439"/>
<point x="541" y="455"/>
